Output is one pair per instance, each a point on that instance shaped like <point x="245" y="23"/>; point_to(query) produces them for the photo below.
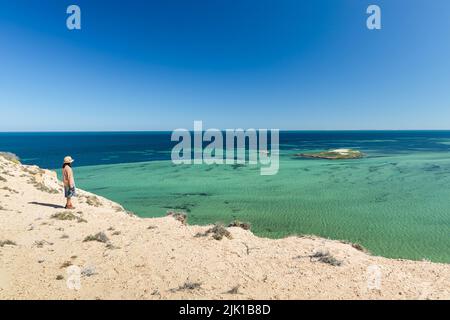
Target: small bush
<point x="88" y="271"/>
<point x="10" y="190"/>
<point x="8" y="173"/>
<point x="93" y="201"/>
<point x="234" y="290"/>
<point x="42" y="187"/>
<point x="188" y="286"/>
<point x="360" y="247"/>
<point x="99" y="237"/>
<point x="66" y="264"/>
<point x="357" y="246"/>
<point x="67" y="215"/>
<point x="10" y="157"/>
<point x="217" y="232"/>
<point x="64" y="216"/>
<point x="110" y="246"/>
<point x="179" y="216"/>
<point x="41" y="243"/>
<point x="7" y="243"/>
<point x="3" y="179"/>
<point x="59" y="277"/>
<point x="325" y="257"/>
<point x="240" y="224"/>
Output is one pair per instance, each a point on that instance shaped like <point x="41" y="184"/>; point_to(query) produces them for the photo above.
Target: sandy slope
<point x="154" y="258"/>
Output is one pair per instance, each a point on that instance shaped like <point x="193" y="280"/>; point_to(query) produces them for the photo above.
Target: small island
<point x="336" y="154"/>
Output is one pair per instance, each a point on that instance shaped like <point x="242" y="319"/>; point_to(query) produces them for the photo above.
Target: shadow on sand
<point x="51" y="205"/>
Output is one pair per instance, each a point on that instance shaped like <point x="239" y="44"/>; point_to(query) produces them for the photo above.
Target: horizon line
<point x="281" y="130"/>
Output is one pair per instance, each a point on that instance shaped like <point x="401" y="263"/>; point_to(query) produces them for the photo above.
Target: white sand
<point x="341" y="151"/>
<point x="152" y="263"/>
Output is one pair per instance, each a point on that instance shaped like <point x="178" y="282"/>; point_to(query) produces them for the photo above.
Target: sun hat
<point x="68" y="159"/>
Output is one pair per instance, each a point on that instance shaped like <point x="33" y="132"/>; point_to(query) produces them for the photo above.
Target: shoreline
<point x="341" y="213"/>
<point x="163" y="258"/>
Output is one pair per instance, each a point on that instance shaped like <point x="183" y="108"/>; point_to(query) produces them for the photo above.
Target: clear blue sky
<point x="160" y="65"/>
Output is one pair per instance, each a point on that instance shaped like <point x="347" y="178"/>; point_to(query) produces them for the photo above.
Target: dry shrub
<point x="325" y="257"/>
<point x="218" y="231"/>
<point x="99" y="237"/>
<point x="240" y="224"/>
<point x="179" y="216"/>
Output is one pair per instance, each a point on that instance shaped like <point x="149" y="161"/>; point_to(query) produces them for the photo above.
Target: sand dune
<point x="98" y="251"/>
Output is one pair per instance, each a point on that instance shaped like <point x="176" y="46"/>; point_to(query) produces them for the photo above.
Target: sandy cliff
<point x="45" y="253"/>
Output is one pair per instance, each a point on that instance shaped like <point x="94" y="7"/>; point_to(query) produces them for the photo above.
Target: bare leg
<point x="69" y="203"/>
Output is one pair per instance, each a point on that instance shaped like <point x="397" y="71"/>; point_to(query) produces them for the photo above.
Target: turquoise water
<point x="395" y="202"/>
<point x="396" y="206"/>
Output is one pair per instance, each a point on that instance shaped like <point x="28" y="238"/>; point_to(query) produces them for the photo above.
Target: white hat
<point x="68" y="159"/>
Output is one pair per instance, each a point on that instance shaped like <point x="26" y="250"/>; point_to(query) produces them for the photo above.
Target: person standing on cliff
<point x="68" y="181"/>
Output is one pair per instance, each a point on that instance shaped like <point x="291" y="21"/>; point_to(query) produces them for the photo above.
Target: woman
<point x="69" y="182"/>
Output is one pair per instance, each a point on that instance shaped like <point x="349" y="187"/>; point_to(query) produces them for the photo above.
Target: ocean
<point x="395" y="201"/>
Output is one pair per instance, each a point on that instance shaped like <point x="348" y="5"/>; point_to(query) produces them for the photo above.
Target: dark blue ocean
<point x="395" y="201"/>
<point x="95" y="148"/>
